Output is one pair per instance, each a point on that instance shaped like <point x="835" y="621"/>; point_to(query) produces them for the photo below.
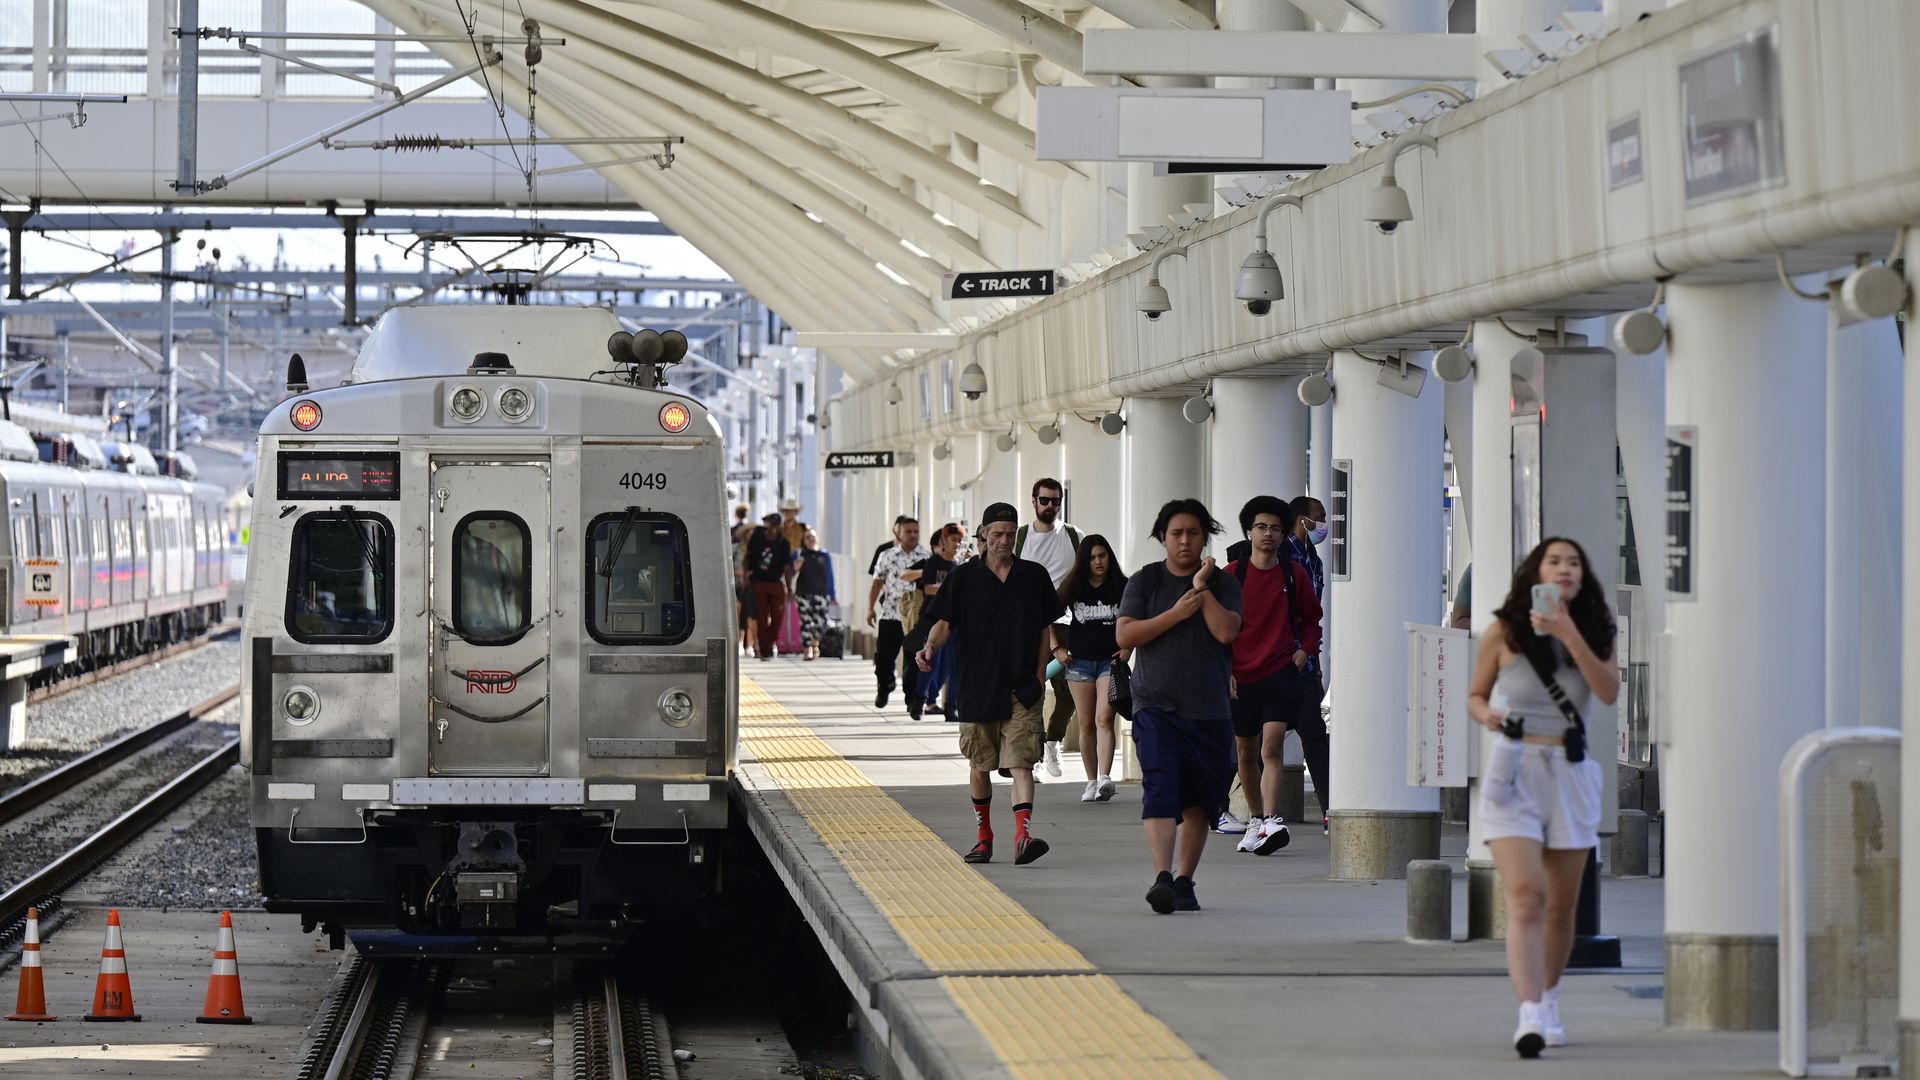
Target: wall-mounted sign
<point x="1624" y="166"/>
<point x="1683" y="524"/>
<point x="998" y="284"/>
<point x="868" y="459"/>
<point x="746" y="475"/>
<point x="1439" y="666"/>
<point x="1340" y="522"/>
<point x="1238" y="129"/>
<point x="1730" y="118"/>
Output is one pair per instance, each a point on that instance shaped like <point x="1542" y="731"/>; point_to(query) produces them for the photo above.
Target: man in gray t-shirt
<point x="1180" y="618"/>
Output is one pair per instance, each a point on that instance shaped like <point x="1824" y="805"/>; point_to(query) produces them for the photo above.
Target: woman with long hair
<point x="813" y="590"/>
<point x="1548" y="654"/>
<point x="1091" y="593"/>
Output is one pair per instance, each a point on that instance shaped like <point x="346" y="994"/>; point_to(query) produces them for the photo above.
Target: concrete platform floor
<point x="283" y="976"/>
<point x="1284" y="972"/>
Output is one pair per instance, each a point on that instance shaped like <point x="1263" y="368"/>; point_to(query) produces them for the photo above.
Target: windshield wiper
<point x="366" y="542"/>
<point x="605" y="569"/>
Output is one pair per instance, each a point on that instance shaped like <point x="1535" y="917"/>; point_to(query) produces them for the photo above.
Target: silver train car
<point x="123" y="560"/>
<point x="490" y="689"/>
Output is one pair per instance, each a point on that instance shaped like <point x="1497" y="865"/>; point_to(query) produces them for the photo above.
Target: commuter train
<point x="123" y="559"/>
<point x="489" y="687"/>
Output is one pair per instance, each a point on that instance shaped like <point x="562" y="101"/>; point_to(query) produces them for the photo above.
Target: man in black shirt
<point x="998" y="610"/>
<point x="770" y="572"/>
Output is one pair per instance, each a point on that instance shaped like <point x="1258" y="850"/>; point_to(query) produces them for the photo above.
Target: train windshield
<point x="340" y="586"/>
<point x="493" y="578"/>
<point x="637" y="590"/>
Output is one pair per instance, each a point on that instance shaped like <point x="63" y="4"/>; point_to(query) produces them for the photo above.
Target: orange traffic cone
<point x="32" y="1002"/>
<point x="223" y="988"/>
<point x="113" y="992"/>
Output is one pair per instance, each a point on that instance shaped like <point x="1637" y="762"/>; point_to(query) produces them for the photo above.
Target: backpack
<point x="1020" y="538"/>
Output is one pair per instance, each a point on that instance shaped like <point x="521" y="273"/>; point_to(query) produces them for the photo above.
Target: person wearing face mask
<point x="1309" y="531"/>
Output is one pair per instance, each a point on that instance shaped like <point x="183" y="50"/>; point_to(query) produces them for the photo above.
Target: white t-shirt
<point x="1053" y="550"/>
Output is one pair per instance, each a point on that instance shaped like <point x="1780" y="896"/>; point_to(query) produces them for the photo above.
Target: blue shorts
<point x="1183" y="763"/>
<point x="1088" y="670"/>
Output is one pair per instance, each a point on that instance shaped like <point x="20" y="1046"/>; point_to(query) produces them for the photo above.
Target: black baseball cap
<point x="770" y="519"/>
<point x="997" y="512"/>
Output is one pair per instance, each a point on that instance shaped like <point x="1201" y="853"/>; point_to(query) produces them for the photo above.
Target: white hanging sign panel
<point x="1439" y="667"/>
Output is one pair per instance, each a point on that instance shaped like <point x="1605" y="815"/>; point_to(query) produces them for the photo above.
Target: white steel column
<point x="1258" y="444"/>
<point x="1862" y="523"/>
<point x="1744" y="367"/>
<point x="1394" y="547"/>
<point x="1091" y="469"/>
<point x="1910" y="707"/>
<point x="1319" y="477"/>
<point x="1162" y="462"/>
<point x="1490" y="521"/>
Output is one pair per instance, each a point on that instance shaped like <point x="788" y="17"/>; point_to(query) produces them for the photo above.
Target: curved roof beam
<point x="909" y="89"/>
<point x="716" y="236"/>
<point x="1029" y="30"/>
<point x="737" y="80"/>
<point x="888" y="18"/>
<point x="1158" y="14"/>
<point x="772" y="142"/>
<point x="705" y="139"/>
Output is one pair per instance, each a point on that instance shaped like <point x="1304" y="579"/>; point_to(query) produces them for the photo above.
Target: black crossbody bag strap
<point x="1576" y="735"/>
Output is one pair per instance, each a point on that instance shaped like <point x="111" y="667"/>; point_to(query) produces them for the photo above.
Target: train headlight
<point x="466" y="404"/>
<point x="515" y="404"/>
<point x="675" y="417"/>
<point x="306" y="416"/>
<point x="676" y="707"/>
<point x="301" y="705"/>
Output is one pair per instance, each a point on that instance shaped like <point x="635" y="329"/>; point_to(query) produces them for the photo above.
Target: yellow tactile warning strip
<point x="1066" y="1025"/>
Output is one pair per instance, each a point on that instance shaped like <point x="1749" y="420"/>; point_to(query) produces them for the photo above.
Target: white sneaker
<point x="1251" y="840"/>
<point x="1550" y="1024"/>
<point x="1229" y="824"/>
<point x="1529" y="1037"/>
<point x="1107" y="788"/>
<point x="1273" y="836"/>
<point x="1092" y="794"/>
<point x="1053" y="759"/>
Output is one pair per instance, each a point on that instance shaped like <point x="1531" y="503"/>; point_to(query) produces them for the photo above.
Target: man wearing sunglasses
<point x="1052" y="543"/>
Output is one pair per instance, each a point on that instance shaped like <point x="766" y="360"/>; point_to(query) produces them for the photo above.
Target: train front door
<point x="489" y="599"/>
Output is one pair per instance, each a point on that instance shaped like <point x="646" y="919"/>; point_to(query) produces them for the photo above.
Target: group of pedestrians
<point x="777" y="562"/>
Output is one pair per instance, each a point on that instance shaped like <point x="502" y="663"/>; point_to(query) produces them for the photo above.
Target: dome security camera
<point x="973" y="381"/>
<point x="894" y="396"/>
<point x="1453" y="364"/>
<point x="1112" y="423"/>
<point x="1315" y="390"/>
<point x="1154" y="301"/>
<point x="1260" y="284"/>
<point x="1388" y="206"/>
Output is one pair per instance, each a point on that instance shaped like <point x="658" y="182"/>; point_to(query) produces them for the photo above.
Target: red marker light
<point x="675" y="417"/>
<point x="306" y="416"/>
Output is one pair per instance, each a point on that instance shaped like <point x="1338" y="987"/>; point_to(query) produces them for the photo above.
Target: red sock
<point x="1022" y="816"/>
<point x="983" y="817"/>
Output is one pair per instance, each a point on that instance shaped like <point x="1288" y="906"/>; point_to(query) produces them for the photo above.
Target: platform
<point x="1059" y="968"/>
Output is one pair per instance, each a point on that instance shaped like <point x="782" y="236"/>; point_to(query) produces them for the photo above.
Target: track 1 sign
<point x="999" y="284"/>
<point x="870" y="459"/>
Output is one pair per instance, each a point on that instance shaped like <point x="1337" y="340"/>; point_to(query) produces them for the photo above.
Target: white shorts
<point x="1531" y="790"/>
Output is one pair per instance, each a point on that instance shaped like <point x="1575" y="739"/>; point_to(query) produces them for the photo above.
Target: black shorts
<point x="1280" y="698"/>
<point x="1183" y="763"/>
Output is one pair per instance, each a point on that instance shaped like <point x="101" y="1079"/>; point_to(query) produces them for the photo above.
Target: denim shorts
<point x="1088" y="670"/>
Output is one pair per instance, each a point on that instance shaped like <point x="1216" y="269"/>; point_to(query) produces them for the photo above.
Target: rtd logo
<point x="491" y="682"/>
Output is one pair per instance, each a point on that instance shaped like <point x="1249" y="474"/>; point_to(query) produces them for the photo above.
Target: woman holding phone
<point x="1549" y="652"/>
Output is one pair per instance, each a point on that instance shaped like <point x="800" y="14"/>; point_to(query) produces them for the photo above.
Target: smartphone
<point x="1546" y="599"/>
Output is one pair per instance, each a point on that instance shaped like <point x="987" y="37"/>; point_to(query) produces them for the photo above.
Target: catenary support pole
<point x="1744" y="365"/>
<point x="169" y="367"/>
<point x="188" y="95"/>
<point x="1910" y="697"/>
<point x="1379" y="822"/>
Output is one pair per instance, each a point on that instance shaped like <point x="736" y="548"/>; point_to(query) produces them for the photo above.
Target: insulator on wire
<point x="423" y="143"/>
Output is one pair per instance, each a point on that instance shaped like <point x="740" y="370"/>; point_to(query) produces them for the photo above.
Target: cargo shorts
<point x="1013" y="743"/>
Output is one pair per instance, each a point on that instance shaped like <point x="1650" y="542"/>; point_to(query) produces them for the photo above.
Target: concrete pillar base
<point x="1723" y="982"/>
<point x="1429" y="900"/>
<point x="1909" y="1047"/>
<point x="1371" y="845"/>
<point x="1454" y="803"/>
<point x="1629" y="845"/>
<point x="1486" y="903"/>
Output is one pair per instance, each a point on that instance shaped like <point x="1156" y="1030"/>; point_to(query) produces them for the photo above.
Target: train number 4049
<point x="651" y="481"/>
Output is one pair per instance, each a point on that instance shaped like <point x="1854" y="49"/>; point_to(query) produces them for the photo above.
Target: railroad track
<point x="87" y="678"/>
<point x="383" y="1017"/>
<point x="42" y="888"/>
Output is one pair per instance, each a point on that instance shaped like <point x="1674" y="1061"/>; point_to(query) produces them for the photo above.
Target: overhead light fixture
<point x="1454" y="363"/>
<point x="1387" y="205"/>
<point x="943" y="450"/>
<point x="1196" y="409"/>
<point x="1260" y="283"/>
<point x="1048" y="434"/>
<point x="1112" y="423"/>
<point x="1315" y="390"/>
<point x="1641" y="332"/>
<point x="1005" y="441"/>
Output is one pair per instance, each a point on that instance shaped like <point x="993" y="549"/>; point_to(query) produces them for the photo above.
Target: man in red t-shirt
<point x="1279" y="634"/>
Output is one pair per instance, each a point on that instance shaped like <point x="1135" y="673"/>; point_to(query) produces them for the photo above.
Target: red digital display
<point x="315" y="476"/>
